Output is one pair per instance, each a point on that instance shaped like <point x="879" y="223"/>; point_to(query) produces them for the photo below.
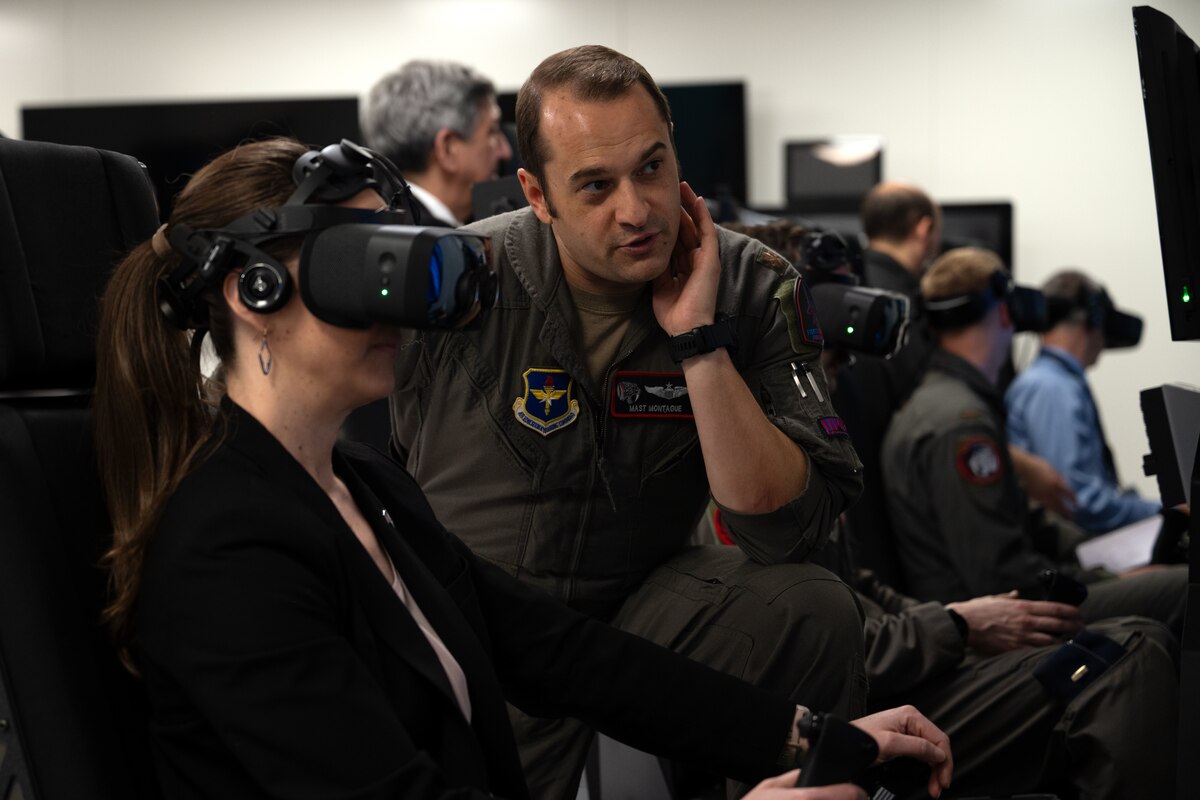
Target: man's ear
<point x="445" y="150"/>
<point x="534" y="195"/>
<point x="1006" y="320"/>
<point x="923" y="228"/>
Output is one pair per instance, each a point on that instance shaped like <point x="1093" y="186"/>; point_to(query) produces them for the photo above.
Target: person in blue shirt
<point x="1051" y="411"/>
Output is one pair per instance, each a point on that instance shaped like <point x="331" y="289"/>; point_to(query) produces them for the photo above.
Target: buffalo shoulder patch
<point x="978" y="460"/>
<point x="650" y="395"/>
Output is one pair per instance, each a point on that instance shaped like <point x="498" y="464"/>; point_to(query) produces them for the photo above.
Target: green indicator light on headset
<point x="1187" y="298"/>
<point x="849" y="329"/>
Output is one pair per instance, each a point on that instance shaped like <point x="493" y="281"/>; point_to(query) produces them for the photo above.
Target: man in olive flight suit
<point x="963" y="526"/>
<point x="637" y="359"/>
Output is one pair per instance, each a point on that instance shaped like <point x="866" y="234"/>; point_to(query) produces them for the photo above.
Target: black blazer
<point x="280" y="663"/>
<point x="427" y="218"/>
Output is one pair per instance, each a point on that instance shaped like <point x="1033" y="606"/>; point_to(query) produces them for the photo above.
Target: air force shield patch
<point x="547" y="405"/>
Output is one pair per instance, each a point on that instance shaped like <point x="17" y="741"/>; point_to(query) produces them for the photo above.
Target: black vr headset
<point x="1096" y="309"/>
<point x="863" y="320"/>
<point x="357" y="267"/>
<point x="1026" y="307"/>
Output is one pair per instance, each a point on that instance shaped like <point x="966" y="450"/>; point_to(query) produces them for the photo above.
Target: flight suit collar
<point x="968" y="373"/>
<point x="532" y="253"/>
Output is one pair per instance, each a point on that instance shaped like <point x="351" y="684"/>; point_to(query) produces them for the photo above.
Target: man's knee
<point x="814" y="648"/>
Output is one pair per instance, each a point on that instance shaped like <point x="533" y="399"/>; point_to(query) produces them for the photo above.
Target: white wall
<point x="1036" y="101"/>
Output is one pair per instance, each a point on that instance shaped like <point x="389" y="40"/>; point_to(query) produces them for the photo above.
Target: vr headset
<point x="860" y="319"/>
<point x="357" y="267"/>
<point x="1026" y="307"/>
<point x="1121" y="329"/>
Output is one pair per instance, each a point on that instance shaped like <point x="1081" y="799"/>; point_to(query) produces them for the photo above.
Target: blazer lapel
<point x="393" y="622"/>
<point x="415" y="531"/>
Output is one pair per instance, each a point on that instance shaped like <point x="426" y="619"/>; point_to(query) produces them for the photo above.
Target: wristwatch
<point x="702" y="340"/>
<point x="799" y="740"/>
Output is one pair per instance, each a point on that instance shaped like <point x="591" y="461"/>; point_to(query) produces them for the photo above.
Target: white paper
<point x="1122" y="549"/>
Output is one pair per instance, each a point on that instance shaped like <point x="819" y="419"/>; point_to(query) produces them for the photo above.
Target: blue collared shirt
<point x="1051" y="413"/>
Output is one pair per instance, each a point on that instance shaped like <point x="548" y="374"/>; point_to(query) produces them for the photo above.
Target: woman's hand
<point x="904" y="731"/>
<point x="783" y="787"/>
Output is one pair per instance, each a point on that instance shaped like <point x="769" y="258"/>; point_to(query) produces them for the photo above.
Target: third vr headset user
<point x="860" y="319"/>
<point x="357" y="267"/>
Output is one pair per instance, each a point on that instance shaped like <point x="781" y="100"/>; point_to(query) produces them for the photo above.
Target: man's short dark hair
<point x="890" y="211"/>
<point x="1069" y="284"/>
<point x="405" y="109"/>
<point x="592" y="73"/>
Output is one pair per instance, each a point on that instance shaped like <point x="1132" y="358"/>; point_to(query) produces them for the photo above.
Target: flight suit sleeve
<point x="779" y="350"/>
<point x="907" y="642"/>
<point x="979" y="511"/>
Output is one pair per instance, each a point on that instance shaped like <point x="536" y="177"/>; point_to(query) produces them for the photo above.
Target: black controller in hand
<point x="838" y="752"/>
<point x="842" y="753"/>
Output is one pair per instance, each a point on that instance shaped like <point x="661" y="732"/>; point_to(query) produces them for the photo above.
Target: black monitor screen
<point x="1170" y="67"/>
<point x="173" y="140"/>
<point x="832" y="174"/>
<point x="1171" y="414"/>
<point x="987" y="225"/>
<point x="710" y="134"/>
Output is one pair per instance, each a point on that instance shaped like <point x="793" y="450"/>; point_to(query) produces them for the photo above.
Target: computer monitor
<point x="174" y="140"/>
<point x="833" y="174"/>
<point x="1171" y="414"/>
<point x="710" y="134"/>
<point x="1169" y="62"/>
<point x="987" y="225"/>
<point x="978" y="224"/>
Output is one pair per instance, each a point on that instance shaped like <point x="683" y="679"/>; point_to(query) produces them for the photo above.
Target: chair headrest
<point x="67" y="216"/>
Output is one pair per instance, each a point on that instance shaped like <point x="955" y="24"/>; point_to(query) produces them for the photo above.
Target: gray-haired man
<point x="439" y="122"/>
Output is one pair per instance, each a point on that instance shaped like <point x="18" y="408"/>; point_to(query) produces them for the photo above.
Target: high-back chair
<point x="72" y="722"/>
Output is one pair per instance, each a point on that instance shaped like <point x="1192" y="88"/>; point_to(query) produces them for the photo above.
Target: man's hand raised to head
<point x="685" y="295"/>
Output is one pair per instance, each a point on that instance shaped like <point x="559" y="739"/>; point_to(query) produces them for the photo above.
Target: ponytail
<point x="154" y="410"/>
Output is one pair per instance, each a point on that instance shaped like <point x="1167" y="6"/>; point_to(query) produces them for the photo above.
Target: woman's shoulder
<point x="229" y="500"/>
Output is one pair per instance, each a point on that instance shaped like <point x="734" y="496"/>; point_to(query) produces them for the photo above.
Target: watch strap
<point x="703" y="339"/>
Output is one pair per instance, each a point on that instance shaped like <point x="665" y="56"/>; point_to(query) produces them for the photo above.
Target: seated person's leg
<point x="1159" y="594"/>
<point x="794" y="628"/>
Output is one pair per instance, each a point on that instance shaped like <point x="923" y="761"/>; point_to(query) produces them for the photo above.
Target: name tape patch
<point x="650" y="395"/>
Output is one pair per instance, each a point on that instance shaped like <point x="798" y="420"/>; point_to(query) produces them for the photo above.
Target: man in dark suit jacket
<point x="439" y="123"/>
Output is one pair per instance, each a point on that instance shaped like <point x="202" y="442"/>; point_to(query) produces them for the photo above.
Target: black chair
<point x="72" y="721"/>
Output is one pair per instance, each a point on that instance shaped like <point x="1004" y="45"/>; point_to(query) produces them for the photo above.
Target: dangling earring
<point x="264" y="354"/>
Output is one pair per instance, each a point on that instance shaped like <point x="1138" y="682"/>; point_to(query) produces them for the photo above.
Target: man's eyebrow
<point x="600" y="172"/>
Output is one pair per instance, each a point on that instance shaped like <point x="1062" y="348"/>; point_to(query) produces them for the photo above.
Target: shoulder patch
<point x="548" y="404"/>
<point x="772" y="260"/>
<point x="804" y="329"/>
<point x="833" y="426"/>
<point x="978" y="460"/>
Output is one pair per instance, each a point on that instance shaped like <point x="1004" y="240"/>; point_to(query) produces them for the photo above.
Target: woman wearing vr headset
<point x="304" y="625"/>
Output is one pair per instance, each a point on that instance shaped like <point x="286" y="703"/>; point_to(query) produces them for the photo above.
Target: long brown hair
<point x="153" y="408"/>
